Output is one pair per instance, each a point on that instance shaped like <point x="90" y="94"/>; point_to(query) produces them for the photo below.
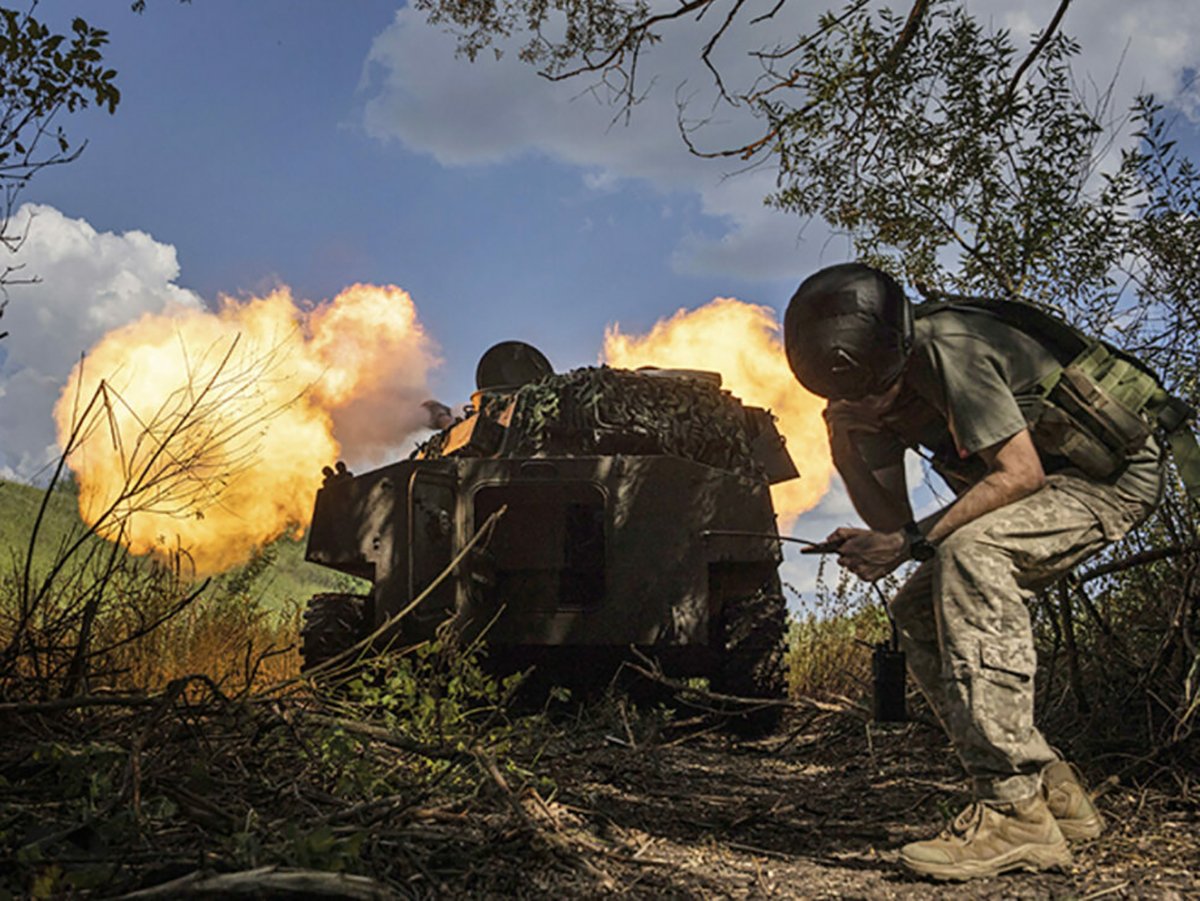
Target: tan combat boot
<point x="989" y="838"/>
<point x="1068" y="800"/>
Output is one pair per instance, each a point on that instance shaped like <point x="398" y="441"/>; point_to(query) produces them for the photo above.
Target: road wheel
<point x="332" y="623"/>
<point x="753" y="633"/>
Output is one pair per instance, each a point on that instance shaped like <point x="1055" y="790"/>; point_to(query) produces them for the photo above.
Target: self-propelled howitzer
<point x="609" y="494"/>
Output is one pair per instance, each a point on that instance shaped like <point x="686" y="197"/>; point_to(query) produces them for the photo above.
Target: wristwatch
<point x="919" y="547"/>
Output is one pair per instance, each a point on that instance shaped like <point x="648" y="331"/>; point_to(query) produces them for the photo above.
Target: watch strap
<point x="919" y="547"/>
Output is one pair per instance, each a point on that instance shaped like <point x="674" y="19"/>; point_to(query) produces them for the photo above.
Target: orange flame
<point x="207" y="431"/>
<point x="741" y="341"/>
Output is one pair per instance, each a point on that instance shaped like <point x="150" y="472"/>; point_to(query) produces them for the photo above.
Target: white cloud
<point x="1138" y="47"/>
<point x="493" y="111"/>
<point x="89" y="283"/>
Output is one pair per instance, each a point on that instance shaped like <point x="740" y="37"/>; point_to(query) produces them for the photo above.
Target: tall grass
<point x="832" y="655"/>
<point x="223" y="631"/>
<point x="829" y="641"/>
<point x="153" y="627"/>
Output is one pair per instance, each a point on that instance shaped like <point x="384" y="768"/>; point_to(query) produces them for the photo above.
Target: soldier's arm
<point x="878" y="492"/>
<point x="1014" y="471"/>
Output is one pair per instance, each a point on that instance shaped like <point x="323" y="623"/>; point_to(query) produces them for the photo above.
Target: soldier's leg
<point x="985" y="574"/>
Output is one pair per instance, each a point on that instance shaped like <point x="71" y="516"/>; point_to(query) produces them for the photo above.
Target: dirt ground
<point x="161" y="797"/>
<point x="817" y="811"/>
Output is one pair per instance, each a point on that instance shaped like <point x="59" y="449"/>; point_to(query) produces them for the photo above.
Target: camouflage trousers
<point x="965" y="627"/>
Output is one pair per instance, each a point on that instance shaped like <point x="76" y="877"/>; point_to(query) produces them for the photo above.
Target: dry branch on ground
<point x="189" y="793"/>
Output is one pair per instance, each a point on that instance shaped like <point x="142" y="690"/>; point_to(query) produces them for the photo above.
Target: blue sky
<point x="319" y="143"/>
<point x="240" y="141"/>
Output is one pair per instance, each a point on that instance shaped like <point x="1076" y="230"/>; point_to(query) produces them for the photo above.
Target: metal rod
<point x="707" y="532"/>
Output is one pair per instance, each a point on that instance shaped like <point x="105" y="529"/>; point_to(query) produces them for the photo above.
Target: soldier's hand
<point x="845" y="417"/>
<point x="868" y="554"/>
<point x="865" y="415"/>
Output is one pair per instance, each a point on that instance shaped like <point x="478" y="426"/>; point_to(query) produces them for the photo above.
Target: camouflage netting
<point x="599" y="411"/>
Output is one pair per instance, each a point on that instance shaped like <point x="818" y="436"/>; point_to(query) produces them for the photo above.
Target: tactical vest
<point x="1098" y="408"/>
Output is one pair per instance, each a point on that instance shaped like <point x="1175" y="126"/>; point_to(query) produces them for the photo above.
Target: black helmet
<point x="848" y="332"/>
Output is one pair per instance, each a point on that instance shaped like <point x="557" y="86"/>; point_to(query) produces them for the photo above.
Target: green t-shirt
<point x="967" y="385"/>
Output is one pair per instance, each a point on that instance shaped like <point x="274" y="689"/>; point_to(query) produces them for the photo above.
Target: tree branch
<point x="634" y="36"/>
<point x="916" y="16"/>
<point x="1043" y="40"/>
<point x="1139" y="559"/>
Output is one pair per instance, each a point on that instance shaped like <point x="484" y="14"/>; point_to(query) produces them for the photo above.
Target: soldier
<point x="958" y="384"/>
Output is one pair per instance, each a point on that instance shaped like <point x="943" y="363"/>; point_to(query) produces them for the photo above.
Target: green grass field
<point x="287" y="579"/>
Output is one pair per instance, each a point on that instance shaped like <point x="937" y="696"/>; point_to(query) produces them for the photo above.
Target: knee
<point x="975" y="584"/>
<point x="967" y="550"/>
<point x="962" y="540"/>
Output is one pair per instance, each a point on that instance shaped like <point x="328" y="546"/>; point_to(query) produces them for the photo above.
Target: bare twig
<point x="632" y="39"/>
<point x="80" y="702"/>
<point x="1068" y="628"/>
<point x="387" y="737"/>
<point x="355" y="651"/>
<point x="269" y="881"/>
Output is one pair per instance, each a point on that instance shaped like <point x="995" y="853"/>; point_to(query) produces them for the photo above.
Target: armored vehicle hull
<point x="561" y="560"/>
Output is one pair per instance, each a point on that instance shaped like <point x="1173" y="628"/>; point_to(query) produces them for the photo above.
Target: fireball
<point x="742" y="342"/>
<point x="205" y="432"/>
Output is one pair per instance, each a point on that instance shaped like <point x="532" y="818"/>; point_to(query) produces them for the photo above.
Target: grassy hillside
<point x="18" y="509"/>
<point x="286" y="578"/>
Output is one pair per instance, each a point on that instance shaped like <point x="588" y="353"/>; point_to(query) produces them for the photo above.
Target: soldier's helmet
<point x="848" y="332"/>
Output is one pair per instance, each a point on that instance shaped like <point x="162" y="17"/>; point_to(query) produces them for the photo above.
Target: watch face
<point x="918" y="547"/>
